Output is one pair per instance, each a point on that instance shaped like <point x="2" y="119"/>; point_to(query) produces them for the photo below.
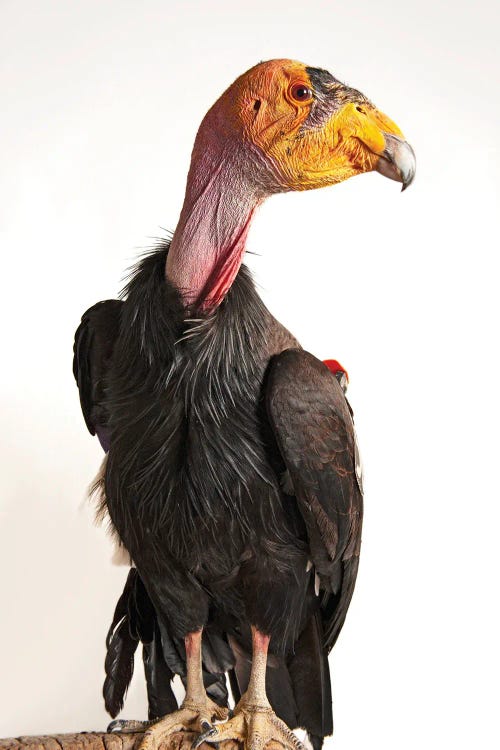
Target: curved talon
<point x="204" y="737"/>
<point x="127" y="725"/>
<point x="115" y="726"/>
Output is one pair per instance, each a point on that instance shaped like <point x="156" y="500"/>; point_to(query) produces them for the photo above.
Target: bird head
<point x="303" y="129"/>
<point x="280" y="126"/>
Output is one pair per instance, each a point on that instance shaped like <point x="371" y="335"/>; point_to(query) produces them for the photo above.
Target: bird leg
<point x="197" y="710"/>
<point x="254" y="722"/>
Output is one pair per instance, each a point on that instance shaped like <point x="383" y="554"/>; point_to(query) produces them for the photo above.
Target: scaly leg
<point x="254" y="722"/>
<point x="197" y="710"/>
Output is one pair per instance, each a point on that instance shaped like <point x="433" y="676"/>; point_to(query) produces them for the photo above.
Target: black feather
<point x="189" y="458"/>
<point x="135" y="621"/>
<point x="315" y="434"/>
<point x="202" y="414"/>
<point x="161" y="698"/>
<point x="95" y="338"/>
<point x="310" y="676"/>
<point x="120" y="650"/>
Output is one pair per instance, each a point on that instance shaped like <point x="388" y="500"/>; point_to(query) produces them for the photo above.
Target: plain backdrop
<point x="100" y="102"/>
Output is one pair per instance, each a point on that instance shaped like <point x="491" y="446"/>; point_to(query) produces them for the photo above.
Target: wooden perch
<point x="114" y="741"/>
<point x="103" y="741"/>
<point x="80" y="741"/>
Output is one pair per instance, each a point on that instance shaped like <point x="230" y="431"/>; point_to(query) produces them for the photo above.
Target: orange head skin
<point x="311" y="129"/>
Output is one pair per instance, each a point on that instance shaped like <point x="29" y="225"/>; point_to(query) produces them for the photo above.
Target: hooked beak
<point x="384" y="140"/>
<point x="397" y="161"/>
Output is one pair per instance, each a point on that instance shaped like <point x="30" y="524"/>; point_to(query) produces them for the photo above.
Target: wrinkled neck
<point x="209" y="242"/>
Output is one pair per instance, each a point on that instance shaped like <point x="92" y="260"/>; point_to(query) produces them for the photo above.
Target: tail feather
<point x="239" y="675"/>
<point x="218" y="659"/>
<point x="335" y="606"/>
<point x="310" y="676"/>
<point x="119" y="665"/>
<point x="217" y="654"/>
<point x="161" y="699"/>
<point x="216" y="687"/>
<point x="280" y="692"/>
<point x="135" y="621"/>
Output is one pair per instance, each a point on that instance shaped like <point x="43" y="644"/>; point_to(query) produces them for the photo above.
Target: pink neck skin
<point x="209" y="242"/>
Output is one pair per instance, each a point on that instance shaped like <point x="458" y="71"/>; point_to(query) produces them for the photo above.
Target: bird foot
<point x="254" y="726"/>
<point x="192" y="716"/>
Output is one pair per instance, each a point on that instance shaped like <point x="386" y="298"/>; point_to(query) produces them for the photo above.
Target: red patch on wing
<point x="335" y="367"/>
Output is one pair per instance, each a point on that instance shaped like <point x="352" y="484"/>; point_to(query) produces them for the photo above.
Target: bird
<point x="231" y="475"/>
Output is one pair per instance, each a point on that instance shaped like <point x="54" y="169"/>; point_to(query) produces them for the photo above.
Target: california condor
<point x="232" y="475"/>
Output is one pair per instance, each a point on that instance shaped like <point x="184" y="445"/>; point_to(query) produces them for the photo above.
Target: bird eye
<point x="300" y="92"/>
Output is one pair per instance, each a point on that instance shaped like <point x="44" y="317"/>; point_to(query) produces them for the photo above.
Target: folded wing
<point x="314" y="431"/>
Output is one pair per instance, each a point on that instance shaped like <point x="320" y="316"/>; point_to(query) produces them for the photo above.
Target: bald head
<point x="302" y="128"/>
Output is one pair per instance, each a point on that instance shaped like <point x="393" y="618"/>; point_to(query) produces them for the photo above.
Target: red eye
<point x="300" y="92"/>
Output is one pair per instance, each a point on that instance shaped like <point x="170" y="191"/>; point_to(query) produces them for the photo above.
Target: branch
<point x="103" y="741"/>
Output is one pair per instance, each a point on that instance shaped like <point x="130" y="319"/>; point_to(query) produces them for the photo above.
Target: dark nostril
<point x="360" y="109"/>
<point x="256" y="105"/>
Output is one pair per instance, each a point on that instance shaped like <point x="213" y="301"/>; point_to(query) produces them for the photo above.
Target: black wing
<point x="94" y="341"/>
<point x="315" y="434"/>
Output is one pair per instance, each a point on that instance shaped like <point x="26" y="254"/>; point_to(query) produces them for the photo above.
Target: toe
<point x="206" y="718"/>
<point x="221" y="712"/>
<point x="285" y="736"/>
<point x="171" y="723"/>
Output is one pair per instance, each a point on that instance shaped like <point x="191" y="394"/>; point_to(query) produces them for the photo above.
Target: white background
<point x="100" y="105"/>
